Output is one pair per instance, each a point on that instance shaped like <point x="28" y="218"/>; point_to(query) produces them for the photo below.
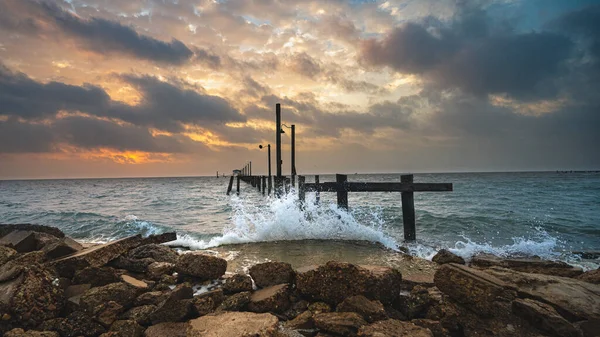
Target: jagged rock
<point x="158" y="253"/>
<point x="201" y="266"/>
<point x="132" y="265"/>
<point x="96" y="256"/>
<point x="107" y="313"/>
<point x="31" y="297"/>
<point x="98" y="276"/>
<point x="535" y="266"/>
<point x="319" y="307"/>
<point x="176" y="308"/>
<point x="79" y="324"/>
<point x="208" y="302"/>
<point x="394" y="328"/>
<point x="272" y="273"/>
<point x="76" y="290"/>
<point x="543" y="317"/>
<point x="168" y="329"/>
<point x="420" y="300"/>
<point x="152" y="297"/>
<point x="296" y="309"/>
<point x="371" y="311"/>
<point x="142" y="314"/>
<point x="335" y="281"/>
<point x="341" y="323"/>
<point x="6" y="254"/>
<point x="234" y="324"/>
<point x="135" y="283"/>
<point x="6" y="229"/>
<point x="412" y="280"/>
<point x="159" y="238"/>
<point x="156" y="270"/>
<point x="30" y="258"/>
<point x="588" y="328"/>
<point x="236" y="302"/>
<point x="21" y="241"/>
<point x="237" y="283"/>
<point x="126" y="328"/>
<point x="62" y="247"/>
<point x="573" y="299"/>
<point x="435" y="327"/>
<point x="272" y="299"/>
<point x="302" y="321"/>
<point x="10" y="271"/>
<point x="118" y="292"/>
<point x="471" y="287"/>
<point x="592" y="276"/>
<point x="30" y="333"/>
<point x="444" y="256"/>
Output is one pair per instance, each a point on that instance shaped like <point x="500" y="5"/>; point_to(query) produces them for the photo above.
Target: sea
<point x="551" y="215"/>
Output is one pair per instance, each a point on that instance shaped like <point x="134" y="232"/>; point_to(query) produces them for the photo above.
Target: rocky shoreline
<point x="50" y="285"/>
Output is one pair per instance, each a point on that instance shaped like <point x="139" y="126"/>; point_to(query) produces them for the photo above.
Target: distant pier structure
<point x="280" y="184"/>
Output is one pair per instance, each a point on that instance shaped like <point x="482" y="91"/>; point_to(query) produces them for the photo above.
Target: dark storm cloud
<point x="164" y="105"/>
<point x="20" y="137"/>
<point x="583" y="23"/>
<point x="472" y="56"/>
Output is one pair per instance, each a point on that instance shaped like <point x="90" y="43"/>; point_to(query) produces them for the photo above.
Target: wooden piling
<point x="318" y="194"/>
<point x="288" y="184"/>
<point x="342" y="196"/>
<point x="264" y="182"/>
<point x="230" y="185"/>
<point x="408" y="210"/>
<point x="270" y="183"/>
<point x="301" y="189"/>
<point x="238" y="185"/>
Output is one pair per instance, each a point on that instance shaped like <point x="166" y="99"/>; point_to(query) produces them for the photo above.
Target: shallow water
<point x="544" y="214"/>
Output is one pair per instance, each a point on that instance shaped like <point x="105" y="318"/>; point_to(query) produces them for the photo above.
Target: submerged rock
<point x="234" y="324"/>
<point x="444" y="256"/>
<point x="272" y="273"/>
<point x="202" y="266"/>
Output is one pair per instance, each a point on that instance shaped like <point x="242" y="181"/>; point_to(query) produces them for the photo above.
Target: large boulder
<point x="62" y="247"/>
<point x="207" y="303"/>
<point x="394" y="328"/>
<point x="536" y="266"/>
<point x="237" y="283"/>
<point x="6" y="229"/>
<point x="371" y="311"/>
<point x="96" y="256"/>
<point x="471" y="287"/>
<point x="444" y="256"/>
<point x="142" y="314"/>
<point x="31" y="297"/>
<point x="119" y="292"/>
<point x="176" y="308"/>
<point x="168" y="329"/>
<point x="98" y="276"/>
<point x="201" y="266"/>
<point x="543" y="317"/>
<point x="159" y="253"/>
<point x="234" y="324"/>
<point x="592" y="276"/>
<point x="341" y="323"/>
<point x="21" y="241"/>
<point x="335" y="281"/>
<point x="272" y="273"/>
<point x="236" y="302"/>
<point x="573" y="299"/>
<point x="272" y="299"/>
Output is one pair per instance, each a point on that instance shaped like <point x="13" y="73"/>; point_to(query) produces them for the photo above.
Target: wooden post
<point x="270" y="183"/>
<point x="408" y="210"/>
<point x="278" y="139"/>
<point x="230" y="185"/>
<point x="238" y="185"/>
<point x="301" y="190"/>
<point x="258" y="181"/>
<point x="250" y="168"/>
<point x="287" y="184"/>
<point x="264" y="182"/>
<point x="342" y="196"/>
<point x="293" y="155"/>
<point x="252" y="181"/>
<point x="318" y="194"/>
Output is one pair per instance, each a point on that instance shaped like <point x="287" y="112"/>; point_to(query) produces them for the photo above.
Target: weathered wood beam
<point x="378" y="187"/>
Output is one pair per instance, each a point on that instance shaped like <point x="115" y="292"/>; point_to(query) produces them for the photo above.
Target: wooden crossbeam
<point x="377" y="187"/>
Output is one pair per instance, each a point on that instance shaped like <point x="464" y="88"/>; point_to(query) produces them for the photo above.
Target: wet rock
<point x="135" y="283"/>
<point x="444" y="256"/>
<point x="156" y="252"/>
<point x="176" y="308"/>
<point x="156" y="270"/>
<point x="592" y="276"/>
<point x="30" y="333"/>
<point x="271" y="299"/>
<point x="335" y="281"/>
<point x="302" y="321"/>
<point x="435" y="327"/>
<point x="132" y="265"/>
<point x="21" y="241"/>
<point x="394" y="328"/>
<point x="272" y="273"/>
<point x="543" y="317"/>
<point x="201" y="266"/>
<point x="6" y="229"/>
<point x="237" y="283"/>
<point x="119" y="292"/>
<point x="6" y="254"/>
<point x="62" y="247"/>
<point x="152" y="297"/>
<point x="420" y="300"/>
<point x="80" y="324"/>
<point x="96" y="256"/>
<point x="31" y="297"/>
<point x="319" y="307"/>
<point x="236" y="302"/>
<point x="142" y="314"/>
<point x="168" y="329"/>
<point x="371" y="311"/>
<point x="98" y="276"/>
<point x="159" y="238"/>
<point x="234" y="324"/>
<point x="208" y="302"/>
<point x="341" y="323"/>
<point x="126" y="328"/>
<point x="107" y="313"/>
<point x="535" y="266"/>
<point x="573" y="299"/>
<point x="296" y="308"/>
<point x="471" y="287"/>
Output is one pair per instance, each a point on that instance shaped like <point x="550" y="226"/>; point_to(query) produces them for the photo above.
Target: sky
<point x="137" y="88"/>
